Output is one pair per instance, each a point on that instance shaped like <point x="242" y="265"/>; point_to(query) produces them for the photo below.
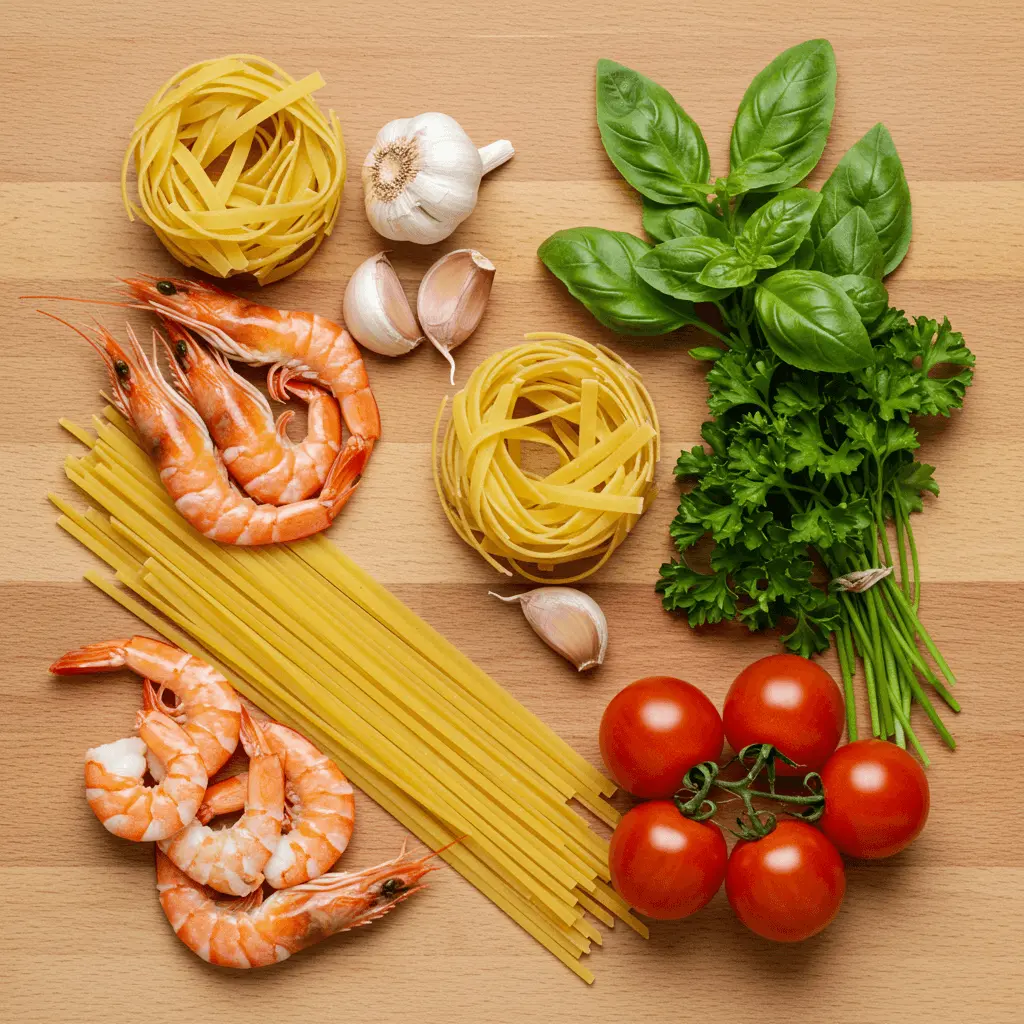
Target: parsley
<point x="806" y="464"/>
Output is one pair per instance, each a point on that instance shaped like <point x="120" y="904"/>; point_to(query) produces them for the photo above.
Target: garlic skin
<point x="568" y="621"/>
<point x="421" y="178"/>
<point x="452" y="298"/>
<point x="376" y="310"/>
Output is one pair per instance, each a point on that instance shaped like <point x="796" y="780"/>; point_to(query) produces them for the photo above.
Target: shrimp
<point x="232" y="860"/>
<point x="258" y="453"/>
<point x="192" y="470"/>
<point x="114" y="773"/>
<point x="320" y="810"/>
<point x="295" y="344"/>
<point x="252" y="933"/>
<point x="208" y="708"/>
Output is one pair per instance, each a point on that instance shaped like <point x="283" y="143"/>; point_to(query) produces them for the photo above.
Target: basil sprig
<point x="789" y="268"/>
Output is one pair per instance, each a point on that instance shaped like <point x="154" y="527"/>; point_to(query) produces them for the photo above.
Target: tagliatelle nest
<point x="588" y="407"/>
<point x="239" y="171"/>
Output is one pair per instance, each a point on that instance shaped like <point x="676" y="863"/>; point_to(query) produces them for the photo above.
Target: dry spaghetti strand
<point x="238" y="170"/>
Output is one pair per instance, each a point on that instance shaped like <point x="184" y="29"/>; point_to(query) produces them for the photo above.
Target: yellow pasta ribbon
<point x="238" y="170"/>
<point x="590" y="409"/>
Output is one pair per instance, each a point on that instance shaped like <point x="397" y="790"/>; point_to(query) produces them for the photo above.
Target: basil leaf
<point x="783" y="120"/>
<point x="804" y="258"/>
<point x="664" y="223"/>
<point x="870" y="176"/>
<point x="706" y="353"/>
<point x="811" y="323"/>
<point x="673" y="266"/>
<point x="869" y="296"/>
<point x="727" y="271"/>
<point x="776" y="230"/>
<point x="598" y="268"/>
<point x="656" y="147"/>
<point x="851" y="247"/>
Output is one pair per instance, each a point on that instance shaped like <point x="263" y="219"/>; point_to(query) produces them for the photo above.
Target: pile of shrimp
<point x="297" y="815"/>
<point x="232" y="471"/>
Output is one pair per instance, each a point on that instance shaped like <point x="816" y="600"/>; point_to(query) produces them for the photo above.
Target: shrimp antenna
<point x="91" y="302"/>
<point x="78" y="330"/>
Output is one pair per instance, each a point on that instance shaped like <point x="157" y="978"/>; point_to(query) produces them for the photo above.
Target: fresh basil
<point x="776" y="230"/>
<point x="869" y="296"/>
<point x="870" y="177"/>
<point x="673" y="267"/>
<point x="728" y="270"/>
<point x="651" y="140"/>
<point x="804" y="258"/>
<point x="851" y="247"/>
<point x="811" y="323"/>
<point x="599" y="269"/>
<point x="664" y="223"/>
<point x="783" y="120"/>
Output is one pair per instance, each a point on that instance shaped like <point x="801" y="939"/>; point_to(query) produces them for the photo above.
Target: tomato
<point x="665" y="865"/>
<point x="790" y="702"/>
<point x="788" y="885"/>
<point x="876" y="799"/>
<point x="654" y="731"/>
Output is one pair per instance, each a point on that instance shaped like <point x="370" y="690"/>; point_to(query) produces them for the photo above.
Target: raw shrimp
<point x="231" y="860"/>
<point x="258" y="453"/>
<point x="295" y="344"/>
<point x="191" y="468"/>
<point x="320" y="809"/>
<point x="208" y="708"/>
<point x="114" y="772"/>
<point x="252" y="933"/>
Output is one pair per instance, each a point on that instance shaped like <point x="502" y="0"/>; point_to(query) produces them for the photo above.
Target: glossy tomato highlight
<point x="876" y="799"/>
<point x="666" y="866"/>
<point x="790" y="702"/>
<point x="787" y="886"/>
<point x="654" y="731"/>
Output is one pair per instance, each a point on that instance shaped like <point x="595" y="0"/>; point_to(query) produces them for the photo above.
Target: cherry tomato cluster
<point x="784" y="880"/>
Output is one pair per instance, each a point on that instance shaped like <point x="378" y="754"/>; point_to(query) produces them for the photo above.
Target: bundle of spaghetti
<point x="583" y="403"/>
<point x="314" y="641"/>
<point x="239" y="171"/>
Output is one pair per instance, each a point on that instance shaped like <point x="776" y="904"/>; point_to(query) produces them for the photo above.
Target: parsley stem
<point x="902" y="548"/>
<point x="913" y="557"/>
<point x="846" y="669"/>
<point x="853" y="616"/>
<point x="919" y="629"/>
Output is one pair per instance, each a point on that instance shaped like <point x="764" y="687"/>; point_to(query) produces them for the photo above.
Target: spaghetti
<point x="588" y="407"/>
<point x="317" y="643"/>
<point x="239" y="171"/>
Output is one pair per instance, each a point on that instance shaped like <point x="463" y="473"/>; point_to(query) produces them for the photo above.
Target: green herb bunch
<point x="812" y="448"/>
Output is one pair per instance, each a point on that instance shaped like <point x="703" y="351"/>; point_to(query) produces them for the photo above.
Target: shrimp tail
<point x="98" y="657"/>
<point x="252" y="737"/>
<point x="345" y="474"/>
<point x="281" y="427"/>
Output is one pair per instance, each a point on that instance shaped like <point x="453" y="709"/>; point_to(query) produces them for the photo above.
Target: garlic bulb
<point x="452" y="298"/>
<point x="420" y="179"/>
<point x="568" y="621"/>
<point x="376" y="311"/>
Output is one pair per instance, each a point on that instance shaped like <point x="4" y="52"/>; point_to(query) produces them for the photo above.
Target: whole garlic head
<point x="421" y="178"/>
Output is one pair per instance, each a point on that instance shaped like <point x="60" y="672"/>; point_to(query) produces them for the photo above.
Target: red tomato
<point x="790" y="702"/>
<point x="787" y="886"/>
<point x="876" y="799"/>
<point x="654" y="731"/>
<point x="665" y="865"/>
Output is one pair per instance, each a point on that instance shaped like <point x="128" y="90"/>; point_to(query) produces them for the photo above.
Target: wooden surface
<point x="934" y="934"/>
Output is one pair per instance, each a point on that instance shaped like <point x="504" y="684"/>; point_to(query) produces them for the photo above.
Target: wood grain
<point x="934" y="934"/>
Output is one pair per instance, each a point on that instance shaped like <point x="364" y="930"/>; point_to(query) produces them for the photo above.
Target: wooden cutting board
<point x="934" y="934"/>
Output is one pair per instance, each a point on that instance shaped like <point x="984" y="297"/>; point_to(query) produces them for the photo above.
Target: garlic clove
<point x="452" y="298"/>
<point x="568" y="621"/>
<point x="376" y="310"/>
<point x="422" y="176"/>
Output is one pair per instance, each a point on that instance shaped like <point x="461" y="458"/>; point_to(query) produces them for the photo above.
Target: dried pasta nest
<point x="238" y="170"/>
<point x="587" y="409"/>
